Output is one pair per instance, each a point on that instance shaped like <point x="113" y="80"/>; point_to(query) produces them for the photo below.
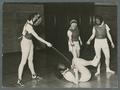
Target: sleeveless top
<point x="101" y="32"/>
<point x="28" y="35"/>
<point x="75" y="34"/>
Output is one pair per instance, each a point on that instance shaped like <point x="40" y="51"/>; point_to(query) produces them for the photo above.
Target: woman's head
<point x="73" y="23"/>
<point x="35" y="18"/>
<point x="98" y="20"/>
<point x="38" y="21"/>
<point x="62" y="67"/>
<point x="59" y="70"/>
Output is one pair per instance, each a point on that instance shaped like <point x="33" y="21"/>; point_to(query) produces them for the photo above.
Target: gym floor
<point x="45" y="62"/>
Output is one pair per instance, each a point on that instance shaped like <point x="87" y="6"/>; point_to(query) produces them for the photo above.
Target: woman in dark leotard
<point x="27" y="46"/>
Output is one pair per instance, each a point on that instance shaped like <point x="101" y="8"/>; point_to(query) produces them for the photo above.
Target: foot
<point x="20" y="83"/>
<point x="97" y="73"/>
<point x="110" y="71"/>
<point x="36" y="77"/>
<point x="76" y="82"/>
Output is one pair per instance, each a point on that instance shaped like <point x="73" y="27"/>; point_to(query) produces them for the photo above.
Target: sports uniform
<point x="27" y="49"/>
<point x="101" y="33"/>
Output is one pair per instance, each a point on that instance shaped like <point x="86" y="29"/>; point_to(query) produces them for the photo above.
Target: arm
<point x="69" y="34"/>
<point x="80" y="41"/>
<point x="39" y="38"/>
<point x="92" y="36"/>
<point x="73" y="64"/>
<point x="109" y="36"/>
<point x="76" y="75"/>
<point x="75" y="69"/>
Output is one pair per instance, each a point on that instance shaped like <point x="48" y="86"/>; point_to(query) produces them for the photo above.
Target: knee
<point x="22" y="64"/>
<point x="30" y="61"/>
<point x="98" y="57"/>
<point x="107" y="57"/>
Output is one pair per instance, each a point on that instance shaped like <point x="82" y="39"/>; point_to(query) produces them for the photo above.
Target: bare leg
<point x="82" y="62"/>
<point x="76" y="76"/>
<point x="74" y="52"/>
<point x="95" y="62"/>
<point x="22" y="64"/>
<point x="78" y="50"/>
<point x="98" y="69"/>
<point x="30" y="61"/>
<point x="25" y="51"/>
<point x="74" y="55"/>
<point x="85" y="73"/>
<point x="106" y="52"/>
<point x="98" y="56"/>
<point x="80" y="66"/>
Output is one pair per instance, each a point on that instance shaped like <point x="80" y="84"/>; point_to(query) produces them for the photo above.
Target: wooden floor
<point x="44" y="66"/>
<point x="105" y="80"/>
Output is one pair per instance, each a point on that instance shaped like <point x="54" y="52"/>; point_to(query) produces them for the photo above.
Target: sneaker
<point x="20" y="83"/>
<point x="97" y="73"/>
<point x="110" y="71"/>
<point x="36" y="77"/>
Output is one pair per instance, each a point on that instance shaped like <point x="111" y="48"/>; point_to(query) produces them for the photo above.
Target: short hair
<point x="100" y="18"/>
<point x="62" y="67"/>
<point x="32" y="16"/>
<point x="73" y="21"/>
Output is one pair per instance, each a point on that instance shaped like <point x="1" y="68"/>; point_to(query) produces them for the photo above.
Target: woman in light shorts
<point x="79" y="73"/>
<point x="74" y="40"/>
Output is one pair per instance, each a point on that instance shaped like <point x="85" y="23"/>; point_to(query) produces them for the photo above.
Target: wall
<point x="109" y="14"/>
<point x="14" y="18"/>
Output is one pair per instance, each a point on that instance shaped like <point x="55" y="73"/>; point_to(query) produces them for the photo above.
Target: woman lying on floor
<point x="78" y="73"/>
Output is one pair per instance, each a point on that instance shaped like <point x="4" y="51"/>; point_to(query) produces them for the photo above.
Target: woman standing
<point x="101" y="33"/>
<point x="74" y="39"/>
<point x="27" y="46"/>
